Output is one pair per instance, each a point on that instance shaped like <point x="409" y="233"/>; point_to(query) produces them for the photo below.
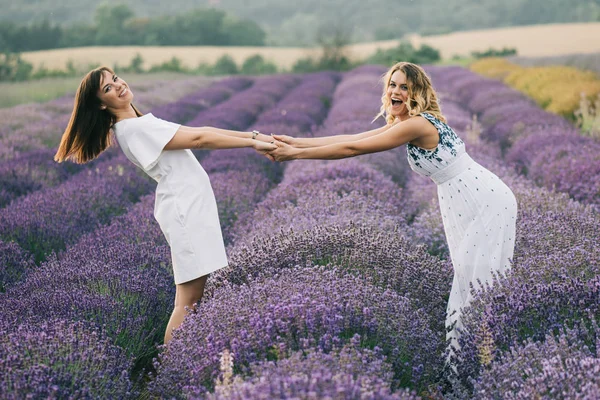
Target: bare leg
<point x="186" y="294"/>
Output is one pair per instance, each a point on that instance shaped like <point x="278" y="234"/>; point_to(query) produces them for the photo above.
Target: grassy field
<point x="14" y="93"/>
<point x="529" y="41"/>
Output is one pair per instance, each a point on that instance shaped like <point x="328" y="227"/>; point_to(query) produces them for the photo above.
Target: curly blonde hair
<point x="421" y="95"/>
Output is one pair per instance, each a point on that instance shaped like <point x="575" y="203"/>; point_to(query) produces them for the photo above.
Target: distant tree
<point x="110" y="24"/>
<point x="305" y="65"/>
<point x="256" y="65"/>
<point x="298" y="30"/>
<point x="173" y="65"/>
<point x="139" y="33"/>
<point x="14" y="68"/>
<point x="390" y="32"/>
<point x="225" y="65"/>
<point x="244" y="33"/>
<point x="405" y="52"/>
<point x="495" y="53"/>
<point x="35" y="36"/>
<point x="135" y="65"/>
<point x="333" y="40"/>
<point x="78" y="35"/>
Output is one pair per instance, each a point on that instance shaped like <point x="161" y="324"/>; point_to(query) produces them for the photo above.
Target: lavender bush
<point x="37" y="221"/>
<point x="125" y="290"/>
<point x="61" y="360"/>
<point x="385" y="256"/>
<point x="346" y="373"/>
<point x="36" y="170"/>
<point x="560" y="367"/>
<point x="14" y="262"/>
<point x="305" y="308"/>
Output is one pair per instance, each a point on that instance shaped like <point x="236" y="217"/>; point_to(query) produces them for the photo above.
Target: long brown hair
<point x="88" y="132"/>
<point x="421" y="95"/>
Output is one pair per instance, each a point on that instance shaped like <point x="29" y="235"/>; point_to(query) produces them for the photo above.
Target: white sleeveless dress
<point x="185" y="205"/>
<point x="479" y="213"/>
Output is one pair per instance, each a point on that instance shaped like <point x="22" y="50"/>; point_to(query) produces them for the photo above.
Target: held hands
<point x="281" y="147"/>
<point x="264" y="147"/>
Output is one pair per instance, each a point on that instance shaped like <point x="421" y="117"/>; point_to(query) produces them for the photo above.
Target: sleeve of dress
<point x="150" y="138"/>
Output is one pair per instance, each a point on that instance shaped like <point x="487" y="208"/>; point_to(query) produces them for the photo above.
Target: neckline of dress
<point x="127" y="119"/>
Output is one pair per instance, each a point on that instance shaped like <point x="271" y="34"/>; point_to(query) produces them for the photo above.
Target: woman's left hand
<point x="283" y="152"/>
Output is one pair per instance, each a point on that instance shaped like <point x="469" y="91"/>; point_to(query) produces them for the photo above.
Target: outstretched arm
<point x="327" y="140"/>
<point x="227" y="132"/>
<point x="209" y="138"/>
<point x="395" y="136"/>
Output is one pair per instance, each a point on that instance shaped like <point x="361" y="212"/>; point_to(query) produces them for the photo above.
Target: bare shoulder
<point x="417" y="124"/>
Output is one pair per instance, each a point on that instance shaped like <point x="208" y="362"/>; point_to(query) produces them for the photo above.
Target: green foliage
<point x="110" y="24"/>
<point x="225" y="65"/>
<point x="389" y="32"/>
<point x="332" y="40"/>
<point x="135" y="65"/>
<point x="244" y="32"/>
<point x="327" y="62"/>
<point x="14" y="68"/>
<point x="40" y="35"/>
<point x="495" y="53"/>
<point x="116" y="25"/>
<point x="173" y="65"/>
<point x="78" y="35"/>
<point x="256" y="65"/>
<point x="405" y="52"/>
<point x="294" y="23"/>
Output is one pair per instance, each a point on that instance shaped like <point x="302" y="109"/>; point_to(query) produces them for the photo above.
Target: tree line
<point x="118" y="26"/>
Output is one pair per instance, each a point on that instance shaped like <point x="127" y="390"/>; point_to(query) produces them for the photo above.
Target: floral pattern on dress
<point x="449" y="145"/>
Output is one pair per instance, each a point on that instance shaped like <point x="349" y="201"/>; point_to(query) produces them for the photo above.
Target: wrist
<point x="262" y="137"/>
<point x="254" y="134"/>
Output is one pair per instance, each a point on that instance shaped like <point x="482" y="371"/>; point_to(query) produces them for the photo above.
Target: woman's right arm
<point x="195" y="138"/>
<point x="327" y="140"/>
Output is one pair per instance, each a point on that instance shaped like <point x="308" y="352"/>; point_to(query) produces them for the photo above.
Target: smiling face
<point x="397" y="95"/>
<point x="114" y="93"/>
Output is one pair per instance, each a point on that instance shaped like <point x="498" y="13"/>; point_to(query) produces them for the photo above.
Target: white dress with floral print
<point x="478" y="211"/>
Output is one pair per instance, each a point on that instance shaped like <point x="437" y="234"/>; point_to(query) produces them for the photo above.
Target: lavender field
<point x="339" y="272"/>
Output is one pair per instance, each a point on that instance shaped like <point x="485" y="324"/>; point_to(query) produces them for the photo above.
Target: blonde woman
<point x="478" y="210"/>
<point x="185" y="206"/>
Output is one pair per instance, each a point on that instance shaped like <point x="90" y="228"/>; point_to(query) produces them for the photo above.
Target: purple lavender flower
<point x="125" y="289"/>
<point x="304" y="308"/>
<point x="37" y="221"/>
<point x="59" y="359"/>
<point x="14" y="262"/>
<point x="347" y="373"/>
<point x="559" y="367"/>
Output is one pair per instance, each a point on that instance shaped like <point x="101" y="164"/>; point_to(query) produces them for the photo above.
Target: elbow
<point x="199" y="141"/>
<point x="352" y="150"/>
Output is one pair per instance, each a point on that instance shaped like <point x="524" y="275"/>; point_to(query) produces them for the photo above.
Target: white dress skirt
<point x="185" y="205"/>
<point x="479" y="213"/>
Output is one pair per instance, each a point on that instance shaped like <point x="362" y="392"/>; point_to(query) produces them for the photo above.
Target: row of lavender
<point x="120" y="274"/>
<point x="543" y="146"/>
